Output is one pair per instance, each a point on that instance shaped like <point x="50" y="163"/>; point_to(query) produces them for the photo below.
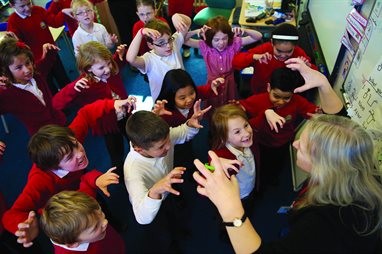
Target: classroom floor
<point x="203" y="235"/>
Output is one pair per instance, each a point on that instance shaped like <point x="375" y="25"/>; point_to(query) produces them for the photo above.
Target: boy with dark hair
<point x="149" y="172"/>
<point x="274" y="115"/>
<point x="75" y="223"/>
<point x="59" y="164"/>
<point x="272" y="55"/>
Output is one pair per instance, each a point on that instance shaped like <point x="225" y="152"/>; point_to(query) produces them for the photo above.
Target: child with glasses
<point x="88" y="30"/>
<point x="165" y="50"/>
<point x="146" y="12"/>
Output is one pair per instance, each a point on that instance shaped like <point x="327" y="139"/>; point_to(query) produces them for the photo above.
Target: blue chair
<point x="213" y="9"/>
<point x="3" y="26"/>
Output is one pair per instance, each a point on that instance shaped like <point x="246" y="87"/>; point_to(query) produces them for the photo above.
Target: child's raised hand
<point x="198" y="115"/>
<point x="81" y="85"/>
<point x="121" y="51"/>
<point x="114" y="38"/>
<point x="27" y="230"/>
<point x="106" y="179"/>
<point x="2" y="147"/>
<point x="165" y="184"/>
<point x="262" y="58"/>
<point x="202" y="31"/>
<point x="238" y="31"/>
<point x="68" y="12"/>
<point x="230" y="165"/>
<point x="216" y="83"/>
<point x="47" y="47"/>
<point x="179" y="23"/>
<point x="152" y="33"/>
<point x="160" y="109"/>
<point x="312" y="77"/>
<point x="274" y="119"/>
<point x="130" y="103"/>
<point x="306" y="61"/>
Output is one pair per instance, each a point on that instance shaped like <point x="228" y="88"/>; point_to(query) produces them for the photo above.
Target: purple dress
<point x="219" y="65"/>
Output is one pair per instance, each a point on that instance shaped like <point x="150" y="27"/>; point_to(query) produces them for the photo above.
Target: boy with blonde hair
<point x="74" y="222"/>
<point x="88" y="30"/>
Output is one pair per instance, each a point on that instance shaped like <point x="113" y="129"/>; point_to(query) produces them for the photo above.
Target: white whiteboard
<point x="329" y="19"/>
<point x="363" y="84"/>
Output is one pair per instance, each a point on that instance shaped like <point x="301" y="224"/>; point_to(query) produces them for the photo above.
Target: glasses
<point x="82" y="13"/>
<point x="163" y="44"/>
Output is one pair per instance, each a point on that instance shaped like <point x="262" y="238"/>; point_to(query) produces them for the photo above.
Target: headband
<point x="285" y="37"/>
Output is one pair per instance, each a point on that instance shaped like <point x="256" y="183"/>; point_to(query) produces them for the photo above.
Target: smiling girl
<point x="219" y="45"/>
<point x="99" y="80"/>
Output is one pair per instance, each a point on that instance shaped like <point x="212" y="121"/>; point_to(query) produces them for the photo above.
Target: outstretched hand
<point x="106" y="179"/>
<point x="222" y="191"/>
<point x="81" y="85"/>
<point x="2" y="147"/>
<point x="27" y="230"/>
<point x="194" y="121"/>
<point x="121" y="51"/>
<point x="312" y="77"/>
<point x="165" y="184"/>
<point x="160" y="109"/>
<point x="274" y="120"/>
<point x="262" y="58"/>
<point x="152" y="33"/>
<point x="130" y="103"/>
<point x="216" y="83"/>
<point x="48" y="47"/>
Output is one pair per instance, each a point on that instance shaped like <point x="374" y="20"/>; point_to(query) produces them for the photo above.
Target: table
<point x="259" y="25"/>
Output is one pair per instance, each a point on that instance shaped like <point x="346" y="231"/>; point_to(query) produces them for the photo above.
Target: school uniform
<point x="262" y="72"/>
<point x="139" y="25"/>
<point x="99" y="34"/>
<point x="32" y="103"/>
<point x="41" y="185"/>
<point x="34" y="31"/>
<point x="256" y="105"/>
<point x="157" y="66"/>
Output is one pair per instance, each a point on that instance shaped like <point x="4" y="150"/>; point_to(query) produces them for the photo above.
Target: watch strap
<point x="231" y="224"/>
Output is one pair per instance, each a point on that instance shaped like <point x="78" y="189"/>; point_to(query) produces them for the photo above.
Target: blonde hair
<point x="76" y="4"/>
<point x="91" y="52"/>
<point x="343" y="169"/>
<point x="67" y="214"/>
<point x="219" y="123"/>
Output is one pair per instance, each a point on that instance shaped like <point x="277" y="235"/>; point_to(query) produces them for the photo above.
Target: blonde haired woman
<point x="341" y="209"/>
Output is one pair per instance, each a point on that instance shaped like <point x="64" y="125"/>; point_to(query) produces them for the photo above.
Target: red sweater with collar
<point x="177" y="118"/>
<point x="111" y="244"/>
<point x="224" y="152"/>
<point x="34" y="30"/>
<point x="256" y="105"/>
<point x="41" y="185"/>
<point x="25" y="105"/>
<point x="262" y="72"/>
<point x="138" y="25"/>
<point x="69" y="97"/>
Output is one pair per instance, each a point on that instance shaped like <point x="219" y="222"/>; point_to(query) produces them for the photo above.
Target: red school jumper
<point x="262" y="72"/>
<point x="256" y="105"/>
<point x="42" y="185"/>
<point x="25" y="105"/>
<point x="69" y="97"/>
<point x="34" y="30"/>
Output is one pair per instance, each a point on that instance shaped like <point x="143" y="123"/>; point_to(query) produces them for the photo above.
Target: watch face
<point x="237" y="222"/>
